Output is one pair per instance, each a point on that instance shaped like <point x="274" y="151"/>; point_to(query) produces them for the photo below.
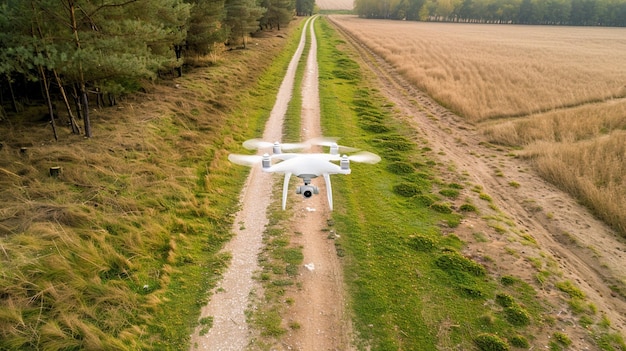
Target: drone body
<point x="303" y="165"/>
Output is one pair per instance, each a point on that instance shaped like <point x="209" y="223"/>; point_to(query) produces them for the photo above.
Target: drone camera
<point x="307" y="190"/>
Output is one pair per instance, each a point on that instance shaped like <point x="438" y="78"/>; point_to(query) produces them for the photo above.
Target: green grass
<point x="410" y="285"/>
<point x="292" y="120"/>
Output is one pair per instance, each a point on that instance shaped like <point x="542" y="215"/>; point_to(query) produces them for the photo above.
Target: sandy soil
<point x="585" y="250"/>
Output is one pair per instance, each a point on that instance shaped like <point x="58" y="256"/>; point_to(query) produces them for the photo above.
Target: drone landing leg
<point x="329" y="190"/>
<point x="285" y="188"/>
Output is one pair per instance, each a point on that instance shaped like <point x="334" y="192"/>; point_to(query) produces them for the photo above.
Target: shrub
<point x="519" y="341"/>
<point x="426" y="200"/>
<point x="371" y="116"/>
<point x="374" y="127"/>
<point x="394" y="142"/>
<point x="407" y="189"/>
<point x="485" y="197"/>
<point x="467" y="208"/>
<point x="508" y="280"/>
<point x="422" y="243"/>
<point x="346" y="74"/>
<point x="585" y="321"/>
<point x="452" y="261"/>
<point x="400" y="167"/>
<point x="505" y="300"/>
<point x="451" y="193"/>
<point x="569" y="288"/>
<point x="562" y="339"/>
<point x="517" y="316"/>
<point x="490" y="342"/>
<point x="453" y="220"/>
<point x="441" y="207"/>
<point x="471" y="292"/>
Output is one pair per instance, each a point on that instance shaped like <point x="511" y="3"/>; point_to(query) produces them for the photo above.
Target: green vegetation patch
<point x="490" y="342"/>
<point x="406" y="278"/>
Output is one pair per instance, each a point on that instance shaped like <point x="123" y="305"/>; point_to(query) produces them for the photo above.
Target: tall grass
<point x="581" y="150"/>
<point x="119" y="251"/>
<point x="557" y="91"/>
<point x="594" y="171"/>
<point x="487" y="71"/>
<point x="571" y="125"/>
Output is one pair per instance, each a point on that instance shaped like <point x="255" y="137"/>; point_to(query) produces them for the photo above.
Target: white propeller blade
<point x="364" y="157"/>
<point x="254" y="144"/>
<point x="331" y="142"/>
<point x="245" y="160"/>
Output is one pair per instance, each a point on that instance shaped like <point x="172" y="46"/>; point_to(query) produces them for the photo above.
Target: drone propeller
<point x="364" y="157"/>
<point x="332" y="144"/>
<point x="255" y="144"/>
<point x="245" y="160"/>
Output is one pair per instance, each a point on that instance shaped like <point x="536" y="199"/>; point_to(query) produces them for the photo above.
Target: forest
<point x="68" y="54"/>
<point x="542" y="12"/>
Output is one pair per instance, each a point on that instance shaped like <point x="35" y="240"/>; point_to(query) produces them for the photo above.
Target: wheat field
<point x="557" y="92"/>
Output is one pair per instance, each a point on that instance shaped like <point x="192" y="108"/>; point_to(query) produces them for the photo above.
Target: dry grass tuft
<point x="88" y="259"/>
<point x="489" y="71"/>
<point x="557" y="91"/>
<point x="567" y="125"/>
<point x="593" y="170"/>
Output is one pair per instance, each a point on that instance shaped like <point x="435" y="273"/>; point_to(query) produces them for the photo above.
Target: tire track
<point x="230" y="298"/>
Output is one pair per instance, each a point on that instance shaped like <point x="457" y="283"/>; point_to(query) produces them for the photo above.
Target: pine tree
<point x="205" y="26"/>
<point x="242" y="18"/>
<point x="279" y="12"/>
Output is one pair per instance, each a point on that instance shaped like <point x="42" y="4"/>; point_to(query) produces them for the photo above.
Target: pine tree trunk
<point x="82" y="88"/>
<point x="44" y="80"/>
<point x="70" y="115"/>
<point x="86" y="121"/>
<point x="13" y="101"/>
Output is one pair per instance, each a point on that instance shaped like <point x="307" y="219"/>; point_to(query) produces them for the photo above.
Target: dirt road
<point x="230" y="298"/>
<point x="318" y="306"/>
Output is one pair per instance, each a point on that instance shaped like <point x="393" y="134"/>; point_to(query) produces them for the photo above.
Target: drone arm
<point x="286" y="188"/>
<point x="329" y="190"/>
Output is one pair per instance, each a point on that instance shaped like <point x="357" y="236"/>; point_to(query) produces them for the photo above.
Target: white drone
<point x="304" y="165"/>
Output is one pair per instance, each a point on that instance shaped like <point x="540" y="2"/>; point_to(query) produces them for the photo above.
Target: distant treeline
<point x="551" y="12"/>
<point x="75" y="51"/>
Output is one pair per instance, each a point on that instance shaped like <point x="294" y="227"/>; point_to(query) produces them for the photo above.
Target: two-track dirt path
<point x="318" y="306"/>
